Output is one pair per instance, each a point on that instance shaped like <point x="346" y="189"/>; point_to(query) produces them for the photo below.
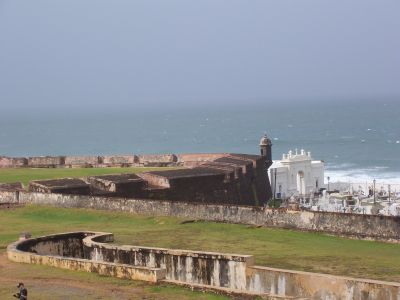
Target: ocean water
<point x="358" y="140"/>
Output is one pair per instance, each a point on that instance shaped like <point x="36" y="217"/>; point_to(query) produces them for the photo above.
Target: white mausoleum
<point x="296" y="174"/>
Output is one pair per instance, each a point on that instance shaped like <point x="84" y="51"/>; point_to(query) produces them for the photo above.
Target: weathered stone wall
<point x="46" y="161"/>
<point x="82" y="161"/>
<point x="123" y="185"/>
<point x="356" y="225"/>
<point x="119" y="160"/>
<point x="158" y="160"/>
<point x="306" y="285"/>
<point x="13" y="162"/>
<point x="235" y="179"/>
<point x="66" y="251"/>
<point x="68" y="186"/>
<point x="12" y="186"/>
<point x="229" y="272"/>
<point x="154" y="180"/>
<point x="67" y="245"/>
<point x="207" y="268"/>
<point x="196" y="159"/>
<point x="9" y="197"/>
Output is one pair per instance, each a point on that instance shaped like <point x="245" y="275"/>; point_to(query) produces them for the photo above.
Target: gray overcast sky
<point x="97" y="53"/>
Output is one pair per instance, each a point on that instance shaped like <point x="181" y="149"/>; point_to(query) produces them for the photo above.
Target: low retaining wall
<point x="9" y="197"/>
<point x="66" y="251"/>
<point x="374" y="227"/>
<point x="305" y="285"/>
<point x="206" y="268"/>
<point x="228" y="272"/>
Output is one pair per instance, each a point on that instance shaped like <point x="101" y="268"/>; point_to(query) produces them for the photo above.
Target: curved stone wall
<point x="65" y="251"/>
<point x="89" y="251"/>
<point x="205" y="268"/>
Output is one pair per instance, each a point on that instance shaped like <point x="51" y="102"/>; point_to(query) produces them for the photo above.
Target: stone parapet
<point x="118" y="160"/>
<point x="158" y="160"/>
<point x="129" y="160"/>
<point x="231" y="273"/>
<point x="207" y="268"/>
<point x="13" y="162"/>
<point x="60" y="186"/>
<point x="12" y="186"/>
<point x="53" y="251"/>
<point x="82" y="161"/>
<point x="46" y="161"/>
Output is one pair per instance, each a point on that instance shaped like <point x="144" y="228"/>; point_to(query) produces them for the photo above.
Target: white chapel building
<point x="296" y="174"/>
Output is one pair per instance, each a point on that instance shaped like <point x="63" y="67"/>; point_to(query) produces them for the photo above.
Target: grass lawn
<point x="25" y="175"/>
<point x="271" y="247"/>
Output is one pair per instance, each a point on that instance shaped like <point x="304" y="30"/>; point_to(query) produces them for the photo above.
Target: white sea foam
<point x="363" y="175"/>
<point x="339" y="166"/>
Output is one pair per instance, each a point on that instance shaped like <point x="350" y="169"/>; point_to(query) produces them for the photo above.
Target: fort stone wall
<point x="195" y="159"/>
<point x="232" y="273"/>
<point x="373" y="227"/>
<point x="66" y="251"/>
<point x="9" y="197"/>
<point x="158" y="160"/>
<point x="206" y="268"/>
<point x="82" y="161"/>
<point x="46" y="161"/>
<point x="13" y="162"/>
<point x="119" y="160"/>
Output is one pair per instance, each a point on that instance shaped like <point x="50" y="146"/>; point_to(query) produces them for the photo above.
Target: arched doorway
<point x="301" y="188"/>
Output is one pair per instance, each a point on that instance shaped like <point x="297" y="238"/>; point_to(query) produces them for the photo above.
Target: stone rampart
<point x="196" y="159"/>
<point x="46" y="161"/>
<point x="88" y="251"/>
<point x="82" y="161"/>
<point x="119" y="160"/>
<point x="13" y="162"/>
<point x="158" y="160"/>
<point x="130" y="160"/>
<point x="356" y="225"/>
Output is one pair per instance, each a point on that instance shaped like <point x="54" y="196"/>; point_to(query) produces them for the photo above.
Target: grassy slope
<point x="271" y="247"/>
<point x="26" y="174"/>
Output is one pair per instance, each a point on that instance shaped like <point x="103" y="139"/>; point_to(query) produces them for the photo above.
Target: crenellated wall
<point x="98" y="161"/>
<point x="231" y="273"/>
<point x="13" y="162"/>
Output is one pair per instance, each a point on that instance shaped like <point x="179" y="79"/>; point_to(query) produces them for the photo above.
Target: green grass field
<point x="25" y="175"/>
<point x="271" y="247"/>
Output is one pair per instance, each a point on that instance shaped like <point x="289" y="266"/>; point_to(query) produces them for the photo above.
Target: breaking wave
<point x="363" y="175"/>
